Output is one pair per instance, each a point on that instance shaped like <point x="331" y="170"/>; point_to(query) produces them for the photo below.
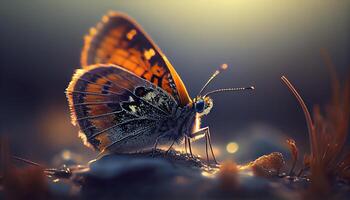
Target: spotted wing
<point x="109" y="104"/>
<point x="120" y="40"/>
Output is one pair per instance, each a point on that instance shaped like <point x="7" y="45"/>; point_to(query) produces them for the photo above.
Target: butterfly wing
<point x="111" y="104"/>
<point x="119" y="40"/>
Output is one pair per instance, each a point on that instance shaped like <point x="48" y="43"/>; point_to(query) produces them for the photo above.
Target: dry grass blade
<point x="320" y="183"/>
<point x="310" y="125"/>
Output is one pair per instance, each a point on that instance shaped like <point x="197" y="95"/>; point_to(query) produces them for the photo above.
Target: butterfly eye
<point x="199" y="106"/>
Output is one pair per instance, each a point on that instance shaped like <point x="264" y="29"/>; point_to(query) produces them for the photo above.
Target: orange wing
<point x="119" y="40"/>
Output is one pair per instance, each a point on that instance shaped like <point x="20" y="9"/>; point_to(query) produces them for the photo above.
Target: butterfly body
<point x="172" y="129"/>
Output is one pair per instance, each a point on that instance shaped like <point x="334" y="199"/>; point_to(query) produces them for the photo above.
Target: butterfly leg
<point x="206" y="149"/>
<point x="155" y="146"/>
<point x="189" y="146"/>
<point x="164" y="135"/>
<point x="200" y="134"/>
<point x="186" y="148"/>
<point x="167" y="151"/>
<point x="205" y="132"/>
<point x="211" y="147"/>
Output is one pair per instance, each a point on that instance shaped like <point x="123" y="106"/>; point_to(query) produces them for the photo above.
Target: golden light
<point x="232" y="147"/>
<point x="208" y="174"/>
<point x="66" y="154"/>
<point x="247" y="172"/>
<point x="224" y="66"/>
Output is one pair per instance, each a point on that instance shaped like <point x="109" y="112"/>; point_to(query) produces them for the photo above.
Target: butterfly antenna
<point x="230" y="90"/>
<point x="217" y="72"/>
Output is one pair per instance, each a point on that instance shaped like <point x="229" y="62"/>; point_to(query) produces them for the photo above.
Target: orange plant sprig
<point x="294" y="152"/>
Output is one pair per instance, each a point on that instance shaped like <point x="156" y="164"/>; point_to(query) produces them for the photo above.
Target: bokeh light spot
<point x="232" y="147"/>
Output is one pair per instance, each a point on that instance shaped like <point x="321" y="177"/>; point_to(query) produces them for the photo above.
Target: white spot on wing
<point x="133" y="108"/>
<point x="150" y="96"/>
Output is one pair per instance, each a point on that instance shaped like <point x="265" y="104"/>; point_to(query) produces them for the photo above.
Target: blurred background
<point x="40" y="44"/>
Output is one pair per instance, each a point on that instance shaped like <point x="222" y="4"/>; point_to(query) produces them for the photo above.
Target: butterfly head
<point x="203" y="105"/>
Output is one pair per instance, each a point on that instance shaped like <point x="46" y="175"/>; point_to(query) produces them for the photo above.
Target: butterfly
<point x="128" y="97"/>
